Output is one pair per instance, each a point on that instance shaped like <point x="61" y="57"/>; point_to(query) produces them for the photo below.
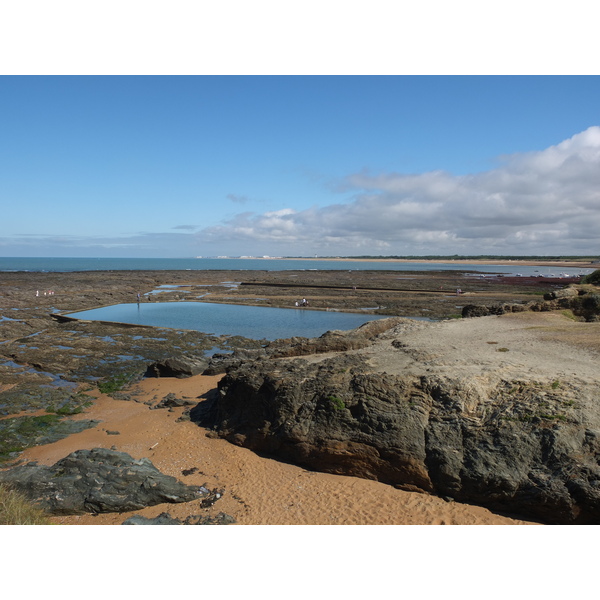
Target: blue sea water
<point x="254" y="322"/>
<point x="42" y="264"/>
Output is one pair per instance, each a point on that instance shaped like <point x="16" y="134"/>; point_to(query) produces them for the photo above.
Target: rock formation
<point x="97" y="481"/>
<point x="394" y="411"/>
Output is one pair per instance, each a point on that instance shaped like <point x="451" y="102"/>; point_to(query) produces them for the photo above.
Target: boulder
<point x="177" y="366"/>
<point x="568" y="292"/>
<point x="473" y="310"/>
<point x="98" y="481"/>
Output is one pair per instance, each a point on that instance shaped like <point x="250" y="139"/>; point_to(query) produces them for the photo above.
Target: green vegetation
<point x="552" y="417"/>
<point x="115" y="383"/>
<point x="16" y="431"/>
<point x="569" y="314"/>
<point x="336" y="402"/>
<point x="73" y="406"/>
<point x="15" y="509"/>
<point x="19" y="433"/>
<point x="593" y="278"/>
<point x="591" y="303"/>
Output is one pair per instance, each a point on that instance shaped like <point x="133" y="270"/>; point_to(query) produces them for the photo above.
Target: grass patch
<point x="550" y="417"/>
<point x="502" y="350"/>
<point x="15" y="509"/>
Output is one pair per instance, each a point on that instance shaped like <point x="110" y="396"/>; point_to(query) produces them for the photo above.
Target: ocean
<point x="65" y="265"/>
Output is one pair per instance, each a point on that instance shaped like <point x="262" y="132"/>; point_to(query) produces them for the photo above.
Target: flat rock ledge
<point x="98" y="481"/>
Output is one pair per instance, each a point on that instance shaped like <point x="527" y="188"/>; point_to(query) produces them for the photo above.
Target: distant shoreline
<point x="449" y="261"/>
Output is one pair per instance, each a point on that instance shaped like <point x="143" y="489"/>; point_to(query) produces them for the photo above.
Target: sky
<point x="206" y="165"/>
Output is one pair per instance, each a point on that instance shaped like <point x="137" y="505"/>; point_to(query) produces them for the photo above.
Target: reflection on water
<point x="254" y="322"/>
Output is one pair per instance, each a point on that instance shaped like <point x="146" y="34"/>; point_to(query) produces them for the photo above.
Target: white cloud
<point x="543" y="202"/>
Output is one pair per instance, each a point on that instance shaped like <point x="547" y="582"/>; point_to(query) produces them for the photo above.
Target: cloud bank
<point x="543" y="202"/>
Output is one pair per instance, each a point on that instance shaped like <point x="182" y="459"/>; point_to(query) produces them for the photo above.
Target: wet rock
<point x="19" y="433"/>
<point x="98" y="481"/>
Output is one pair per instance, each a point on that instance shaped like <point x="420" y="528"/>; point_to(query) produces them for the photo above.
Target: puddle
<point x="2" y="319"/>
<point x="57" y="380"/>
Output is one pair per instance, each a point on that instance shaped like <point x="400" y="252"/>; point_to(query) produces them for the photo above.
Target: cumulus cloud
<point x="543" y="202"/>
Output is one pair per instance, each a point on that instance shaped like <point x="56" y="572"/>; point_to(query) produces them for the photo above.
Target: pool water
<point x="254" y="322"/>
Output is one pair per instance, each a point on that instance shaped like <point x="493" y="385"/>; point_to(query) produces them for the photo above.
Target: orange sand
<point x="257" y="491"/>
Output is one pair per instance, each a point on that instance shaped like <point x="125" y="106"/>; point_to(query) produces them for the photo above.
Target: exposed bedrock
<point x="524" y="448"/>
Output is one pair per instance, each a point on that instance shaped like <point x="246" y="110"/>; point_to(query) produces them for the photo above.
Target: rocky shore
<point x="497" y="411"/>
<point x="491" y="411"/>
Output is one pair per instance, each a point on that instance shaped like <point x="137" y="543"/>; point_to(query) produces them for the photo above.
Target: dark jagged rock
<point x="494" y="447"/>
<point x="177" y="366"/>
<point x="167" y="519"/>
<point x="98" y="481"/>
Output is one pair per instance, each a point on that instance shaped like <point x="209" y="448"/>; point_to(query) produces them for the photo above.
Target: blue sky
<point x="178" y="166"/>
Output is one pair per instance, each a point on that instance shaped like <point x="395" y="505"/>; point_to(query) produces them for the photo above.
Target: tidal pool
<point x="254" y="322"/>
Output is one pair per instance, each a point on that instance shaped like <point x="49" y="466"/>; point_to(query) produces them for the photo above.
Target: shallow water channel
<point x="254" y="322"/>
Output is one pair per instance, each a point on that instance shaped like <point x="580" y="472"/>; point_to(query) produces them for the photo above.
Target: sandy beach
<point x="257" y="491"/>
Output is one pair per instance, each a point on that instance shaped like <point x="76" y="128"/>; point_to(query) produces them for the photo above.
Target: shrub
<point x="593" y="278"/>
<point x="15" y="509"/>
<point x="591" y="303"/>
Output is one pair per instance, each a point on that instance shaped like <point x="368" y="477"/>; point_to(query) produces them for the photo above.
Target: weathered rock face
<point x="523" y="448"/>
<point x="97" y="481"/>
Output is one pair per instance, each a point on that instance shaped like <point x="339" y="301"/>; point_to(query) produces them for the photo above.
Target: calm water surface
<point x="254" y="322"/>
<point x="54" y="264"/>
